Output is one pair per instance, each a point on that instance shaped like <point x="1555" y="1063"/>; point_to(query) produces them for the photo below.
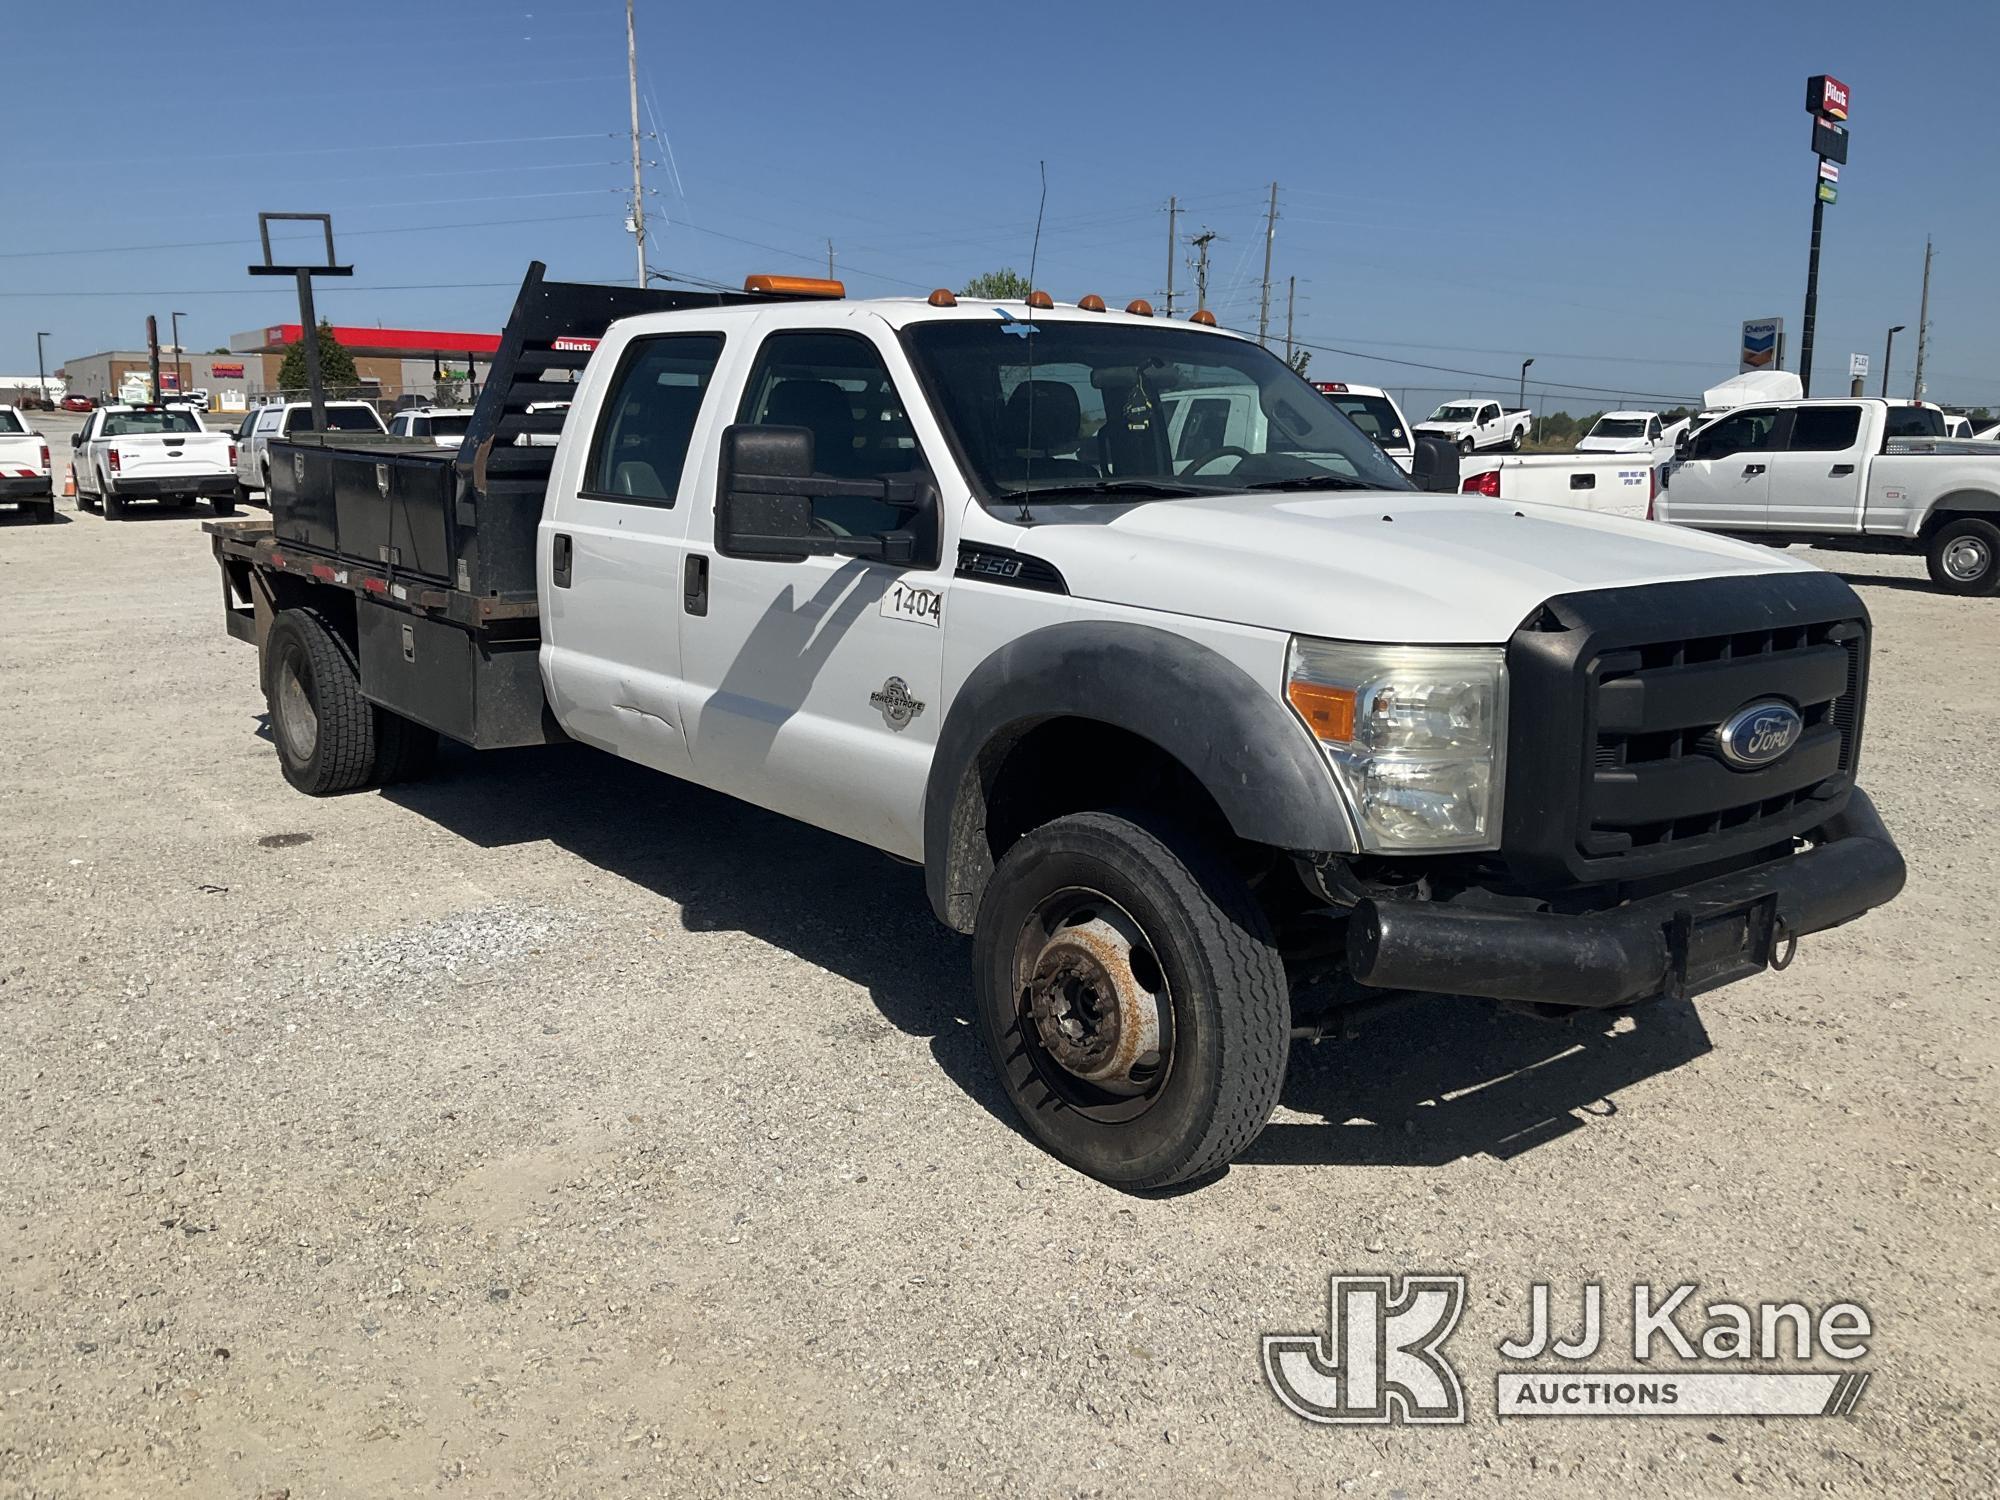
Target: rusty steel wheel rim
<point x="298" y="722"/>
<point x="1093" y="1005"/>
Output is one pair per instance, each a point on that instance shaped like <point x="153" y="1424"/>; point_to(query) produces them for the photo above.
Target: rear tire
<point x="404" y="749"/>
<point x="46" y="512"/>
<point x="242" y="493"/>
<point x="1964" y="557"/>
<point x="113" y="507"/>
<point x="1084" y="917"/>
<point x="1514" y="443"/>
<point x="323" y="728"/>
<point x="222" y="505"/>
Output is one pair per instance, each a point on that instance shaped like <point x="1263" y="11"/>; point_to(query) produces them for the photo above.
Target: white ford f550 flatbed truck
<point x="1205" y="750"/>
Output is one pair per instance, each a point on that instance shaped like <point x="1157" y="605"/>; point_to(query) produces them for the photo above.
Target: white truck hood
<point x="1393" y="567"/>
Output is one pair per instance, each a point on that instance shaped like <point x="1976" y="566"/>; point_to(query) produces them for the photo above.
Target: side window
<point x="1206" y="428"/>
<point x="836" y="386"/>
<point x="1489" y="413"/>
<point x="420" y="427"/>
<point x="1740" y="432"/>
<point x="647" y="424"/>
<point x="1825" y="429"/>
<point x="1653" y="429"/>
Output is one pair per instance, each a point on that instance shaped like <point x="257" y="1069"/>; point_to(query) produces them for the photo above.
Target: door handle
<point x="694" y="584"/>
<point x="560" y="557"/>
<point x="1749" y="469"/>
<point x="1840" y="471"/>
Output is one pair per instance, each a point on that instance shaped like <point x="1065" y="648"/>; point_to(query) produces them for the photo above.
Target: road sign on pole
<point x="1857" y="366"/>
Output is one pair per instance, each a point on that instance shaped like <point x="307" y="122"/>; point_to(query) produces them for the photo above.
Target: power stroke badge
<point x="896" y="705"/>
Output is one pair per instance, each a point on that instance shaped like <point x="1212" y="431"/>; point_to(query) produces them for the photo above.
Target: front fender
<point x="1232" y="733"/>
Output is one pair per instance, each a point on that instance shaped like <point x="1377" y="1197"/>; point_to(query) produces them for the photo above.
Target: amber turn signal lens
<point x="1041" y="300"/>
<point x="1328" y="711"/>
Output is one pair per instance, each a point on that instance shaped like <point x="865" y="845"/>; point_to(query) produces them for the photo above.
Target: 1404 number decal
<point x="924" y="606"/>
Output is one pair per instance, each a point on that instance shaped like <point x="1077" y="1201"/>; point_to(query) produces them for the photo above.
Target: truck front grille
<point x="1617" y="696"/>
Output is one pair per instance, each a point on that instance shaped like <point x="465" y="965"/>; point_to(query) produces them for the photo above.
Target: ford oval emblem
<point x="1758" y="734"/>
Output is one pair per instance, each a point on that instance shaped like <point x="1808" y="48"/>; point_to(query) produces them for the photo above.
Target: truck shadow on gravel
<point x="1427" y="1085"/>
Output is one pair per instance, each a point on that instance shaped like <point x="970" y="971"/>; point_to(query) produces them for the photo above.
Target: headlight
<point x="1416" y="736"/>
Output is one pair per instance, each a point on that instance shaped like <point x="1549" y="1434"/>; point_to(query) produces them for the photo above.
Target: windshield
<point x="9" y="422"/>
<point x="1455" y="414"/>
<point x="141" y="423"/>
<point x="1375" y="416"/>
<point x="1619" y="427"/>
<point x="450" y="424"/>
<point x="1139" y="413"/>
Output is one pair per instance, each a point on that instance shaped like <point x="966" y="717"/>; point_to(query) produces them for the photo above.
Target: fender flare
<point x="1234" y="734"/>
<point x="1959" y="503"/>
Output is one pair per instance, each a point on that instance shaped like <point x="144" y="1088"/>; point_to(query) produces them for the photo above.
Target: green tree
<point x="1300" y="359"/>
<point x="336" y="365"/>
<point x="1003" y="285"/>
<point x="1558" y="427"/>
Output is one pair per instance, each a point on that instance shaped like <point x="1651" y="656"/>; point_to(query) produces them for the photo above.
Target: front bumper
<point x="34" y="487"/>
<point x="175" y="484"/>
<point x="1677" y="944"/>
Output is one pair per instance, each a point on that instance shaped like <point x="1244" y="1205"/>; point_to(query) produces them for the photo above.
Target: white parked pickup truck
<point x="163" y="453"/>
<point x="1205" y="750"/>
<point x="1623" y="432"/>
<point x="1376" y="413"/>
<point x="442" y="425"/>
<point x="1851" y="473"/>
<point x="1474" y="425"/>
<point x="26" y="479"/>
<point x="281" y="419"/>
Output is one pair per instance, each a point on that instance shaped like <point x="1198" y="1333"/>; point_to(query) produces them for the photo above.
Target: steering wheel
<point x="1214" y="453"/>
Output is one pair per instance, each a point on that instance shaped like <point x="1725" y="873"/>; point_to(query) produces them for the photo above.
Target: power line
<point x="506" y="140"/>
<point x="345" y="234"/>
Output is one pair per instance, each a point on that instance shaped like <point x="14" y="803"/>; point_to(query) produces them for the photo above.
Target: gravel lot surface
<point x="556" y="1129"/>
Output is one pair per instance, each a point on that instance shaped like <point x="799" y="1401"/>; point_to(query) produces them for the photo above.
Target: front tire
<point x="1132" y="997"/>
<point x="323" y="728"/>
<point x="1964" y="557"/>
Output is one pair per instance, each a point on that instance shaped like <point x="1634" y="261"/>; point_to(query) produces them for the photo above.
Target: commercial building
<point x="395" y="367"/>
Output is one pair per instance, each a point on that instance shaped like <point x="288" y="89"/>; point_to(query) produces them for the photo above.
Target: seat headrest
<point x="1057" y="420"/>
<point x="818" y="404"/>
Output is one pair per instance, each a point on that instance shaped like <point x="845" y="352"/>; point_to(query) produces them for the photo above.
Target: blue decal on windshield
<point x="1019" y="327"/>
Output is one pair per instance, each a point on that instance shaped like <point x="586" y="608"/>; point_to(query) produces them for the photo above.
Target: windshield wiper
<point x="1321" y="482"/>
<point x="1153" y="489"/>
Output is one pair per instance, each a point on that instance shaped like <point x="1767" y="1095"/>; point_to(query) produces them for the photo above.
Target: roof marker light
<point x="1041" y="301"/>
<point x="942" y="297"/>
<point x="1090" y="302"/>
<point x="1202" y="316"/>
<point x="794" y="286"/>
<point x="1139" y="307"/>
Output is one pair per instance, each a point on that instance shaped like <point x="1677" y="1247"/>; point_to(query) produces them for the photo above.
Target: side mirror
<point x="76" y="440"/>
<point x="764" y="502"/>
<point x="1435" y="465"/>
<point x="1683" y="442"/>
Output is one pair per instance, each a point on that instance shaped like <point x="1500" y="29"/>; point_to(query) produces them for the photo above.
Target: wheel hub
<point x="296" y="719"/>
<point x="1965" y="558"/>
<point x="1095" y="1016"/>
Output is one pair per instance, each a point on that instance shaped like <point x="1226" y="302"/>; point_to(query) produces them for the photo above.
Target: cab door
<point x="1724" y="482"/>
<point x="1816" y="470"/>
<point x="811" y="687"/>
<point x="610" y="555"/>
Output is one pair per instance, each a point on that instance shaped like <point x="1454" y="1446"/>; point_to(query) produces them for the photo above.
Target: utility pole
<point x="1291" y="296"/>
<point x="41" y="371"/>
<point x="638" y="182"/>
<point x="829" y="259"/>
<point x="1201" y="243"/>
<point x="153" y="354"/>
<point x="1923" y="323"/>
<point x="1270" y="234"/>
<point x="1812" y="293"/>
<point x="182" y="375"/>
<point x="1173" y="248"/>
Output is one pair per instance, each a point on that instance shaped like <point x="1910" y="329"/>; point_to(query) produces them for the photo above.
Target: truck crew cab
<point x="1204" y="750"/>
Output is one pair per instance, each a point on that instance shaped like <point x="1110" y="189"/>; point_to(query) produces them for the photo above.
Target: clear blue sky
<point x="1611" y="189"/>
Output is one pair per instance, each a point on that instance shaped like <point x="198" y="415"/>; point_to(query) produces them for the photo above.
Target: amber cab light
<point x="794" y="286"/>
<point x="1202" y="316"/>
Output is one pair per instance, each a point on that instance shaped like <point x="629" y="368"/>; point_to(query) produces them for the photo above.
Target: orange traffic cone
<point x="69" y="483"/>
